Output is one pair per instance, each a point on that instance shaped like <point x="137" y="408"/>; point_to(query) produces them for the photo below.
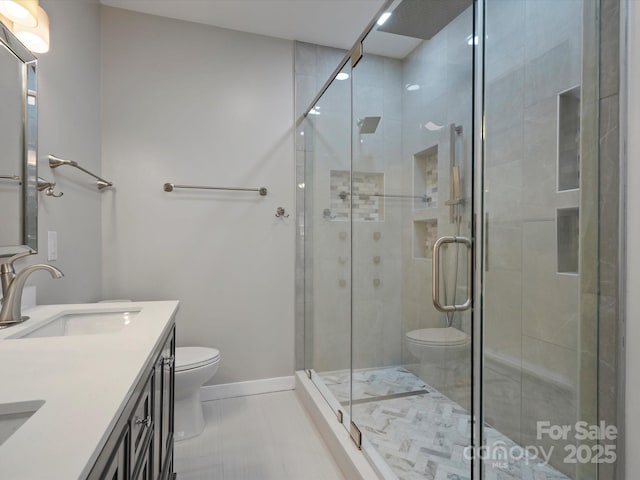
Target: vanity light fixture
<point x="8" y="23"/>
<point x="35" y="38"/>
<point x="20" y="12"/>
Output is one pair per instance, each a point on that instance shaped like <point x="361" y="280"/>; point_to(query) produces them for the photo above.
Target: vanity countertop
<point x="84" y="380"/>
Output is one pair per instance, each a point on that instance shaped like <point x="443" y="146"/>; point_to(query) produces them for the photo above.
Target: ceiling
<point x="334" y="23"/>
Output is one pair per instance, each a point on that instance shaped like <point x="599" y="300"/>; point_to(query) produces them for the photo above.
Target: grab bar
<point x="55" y="162"/>
<point x="169" y="187"/>
<point x="435" y="275"/>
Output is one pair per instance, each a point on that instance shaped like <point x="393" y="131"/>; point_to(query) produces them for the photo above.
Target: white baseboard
<point x="242" y="389"/>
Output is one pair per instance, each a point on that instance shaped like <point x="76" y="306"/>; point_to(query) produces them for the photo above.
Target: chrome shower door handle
<point x="435" y="274"/>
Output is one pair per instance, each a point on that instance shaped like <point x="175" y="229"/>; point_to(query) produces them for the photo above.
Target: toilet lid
<point x="438" y="336"/>
<point x="194" y="357"/>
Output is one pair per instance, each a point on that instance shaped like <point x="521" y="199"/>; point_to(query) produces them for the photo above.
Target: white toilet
<point x="443" y="354"/>
<point x="194" y="366"/>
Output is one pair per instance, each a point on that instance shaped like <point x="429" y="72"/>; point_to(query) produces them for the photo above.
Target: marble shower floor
<point x="422" y="436"/>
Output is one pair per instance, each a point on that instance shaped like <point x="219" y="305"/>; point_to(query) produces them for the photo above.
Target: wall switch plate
<point x="52" y="246"/>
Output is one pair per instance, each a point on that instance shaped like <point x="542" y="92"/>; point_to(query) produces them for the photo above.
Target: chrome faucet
<point x="12" y="287"/>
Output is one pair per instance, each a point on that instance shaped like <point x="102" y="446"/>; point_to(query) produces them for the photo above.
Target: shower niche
<point x="425" y="178"/>
<point x="568" y="217"/>
<point x="568" y="238"/>
<point x="425" y="203"/>
<point x="425" y="234"/>
<point x="569" y="139"/>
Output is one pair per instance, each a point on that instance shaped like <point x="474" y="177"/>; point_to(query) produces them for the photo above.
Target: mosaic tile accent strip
<point x="367" y="207"/>
<point x="423" y="437"/>
<point x="339" y="195"/>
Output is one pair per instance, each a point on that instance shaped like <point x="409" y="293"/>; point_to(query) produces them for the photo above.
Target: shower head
<point x="368" y="125"/>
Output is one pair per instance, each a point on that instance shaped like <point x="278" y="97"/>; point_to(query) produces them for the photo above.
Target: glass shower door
<point x="539" y="300"/>
<point x="327" y="242"/>
<point x="411" y="191"/>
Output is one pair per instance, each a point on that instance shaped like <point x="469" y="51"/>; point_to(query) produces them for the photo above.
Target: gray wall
<point x="193" y="104"/>
<point x="69" y="126"/>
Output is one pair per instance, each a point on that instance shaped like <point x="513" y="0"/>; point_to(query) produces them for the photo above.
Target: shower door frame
<point x="477" y="232"/>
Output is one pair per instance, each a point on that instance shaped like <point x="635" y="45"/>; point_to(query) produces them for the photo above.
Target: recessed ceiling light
<point x="314" y="111"/>
<point x="412" y="87"/>
<point x="342" y="76"/>
<point x="472" y="40"/>
<point x="383" y="18"/>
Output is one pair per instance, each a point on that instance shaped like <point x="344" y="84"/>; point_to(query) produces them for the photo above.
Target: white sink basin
<point x="71" y="324"/>
<point x="14" y="415"/>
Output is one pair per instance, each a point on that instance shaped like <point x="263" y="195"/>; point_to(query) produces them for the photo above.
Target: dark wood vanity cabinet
<point x="141" y="445"/>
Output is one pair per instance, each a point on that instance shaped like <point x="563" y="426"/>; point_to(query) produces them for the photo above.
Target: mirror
<point x="18" y="137"/>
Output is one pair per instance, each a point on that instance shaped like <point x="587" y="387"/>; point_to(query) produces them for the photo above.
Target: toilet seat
<point x="188" y="358"/>
<point x="447" y="337"/>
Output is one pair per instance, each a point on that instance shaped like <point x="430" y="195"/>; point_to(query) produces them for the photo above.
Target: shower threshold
<point x="416" y="432"/>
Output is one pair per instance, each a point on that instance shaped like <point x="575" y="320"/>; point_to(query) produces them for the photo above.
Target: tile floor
<point x="422" y="436"/>
<point x="259" y="437"/>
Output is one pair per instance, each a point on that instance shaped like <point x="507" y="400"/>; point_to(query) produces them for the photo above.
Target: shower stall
<point x="449" y="212"/>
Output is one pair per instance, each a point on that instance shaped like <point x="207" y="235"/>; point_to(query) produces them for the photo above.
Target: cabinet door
<point x="141" y="423"/>
<point x="117" y="467"/>
<point x="163" y="408"/>
<point x="158" y="447"/>
<point x="145" y="468"/>
<point x="168" y="380"/>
